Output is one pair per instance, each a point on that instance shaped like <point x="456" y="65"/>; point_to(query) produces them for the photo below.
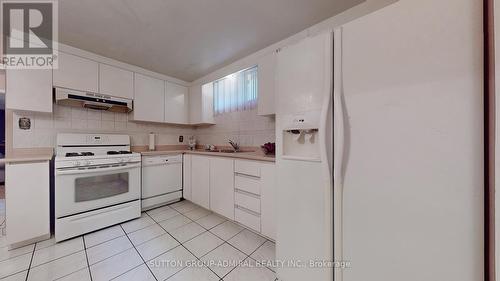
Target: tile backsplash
<point x="64" y="119"/>
<point x="245" y="127"/>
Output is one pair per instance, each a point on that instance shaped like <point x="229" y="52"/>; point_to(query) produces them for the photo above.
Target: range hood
<point x="63" y="96"/>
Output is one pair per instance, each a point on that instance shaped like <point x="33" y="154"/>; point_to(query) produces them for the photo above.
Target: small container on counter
<point x="151" y="141"/>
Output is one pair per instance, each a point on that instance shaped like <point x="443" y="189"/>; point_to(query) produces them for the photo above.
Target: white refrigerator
<point x="398" y="193"/>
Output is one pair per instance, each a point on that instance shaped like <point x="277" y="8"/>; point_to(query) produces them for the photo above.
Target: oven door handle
<point x="96" y="170"/>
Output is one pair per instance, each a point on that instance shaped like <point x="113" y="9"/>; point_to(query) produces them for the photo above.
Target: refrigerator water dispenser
<point x="301" y="140"/>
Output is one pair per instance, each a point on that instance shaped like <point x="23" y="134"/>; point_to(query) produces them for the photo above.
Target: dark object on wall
<point x="24" y="123"/>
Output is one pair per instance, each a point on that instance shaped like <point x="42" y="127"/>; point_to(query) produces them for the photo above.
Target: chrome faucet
<point x="235" y="145"/>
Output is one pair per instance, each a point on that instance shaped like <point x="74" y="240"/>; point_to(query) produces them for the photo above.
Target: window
<point x="236" y="92"/>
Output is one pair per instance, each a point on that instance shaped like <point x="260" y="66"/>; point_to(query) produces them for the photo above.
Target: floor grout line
<point x="61" y="257"/>
<point x="144" y="262"/>
<point x="106" y="241"/>
<point x="29" y="266"/>
<point x="87" y="257"/>
<point x="205" y="230"/>
<point x="182" y="244"/>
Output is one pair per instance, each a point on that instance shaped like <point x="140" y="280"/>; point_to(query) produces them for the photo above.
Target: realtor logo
<point x="29" y="34"/>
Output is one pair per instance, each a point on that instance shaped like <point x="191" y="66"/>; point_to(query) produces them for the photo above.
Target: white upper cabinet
<point x="176" y="104"/>
<point x="77" y="73"/>
<point x="116" y="82"/>
<point x="201" y="110"/>
<point x="266" y="77"/>
<point x="29" y="89"/>
<point x="149" y="96"/>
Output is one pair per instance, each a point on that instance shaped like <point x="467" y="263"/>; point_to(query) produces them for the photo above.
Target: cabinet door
<point x="200" y="180"/>
<point x="176" y="104"/>
<point x="195" y="104"/>
<point x="148" y="98"/>
<point x="186" y="177"/>
<point x="201" y="104"/>
<point x="29" y="89"/>
<point x="207" y="104"/>
<point x="76" y="73"/>
<point x="268" y="200"/>
<point x="266" y="76"/>
<point x="116" y="82"/>
<point x="27" y="201"/>
<point x="222" y="186"/>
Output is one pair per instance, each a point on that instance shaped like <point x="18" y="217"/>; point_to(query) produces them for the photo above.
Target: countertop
<point x="28" y="155"/>
<point x="46" y="154"/>
<point x="248" y="155"/>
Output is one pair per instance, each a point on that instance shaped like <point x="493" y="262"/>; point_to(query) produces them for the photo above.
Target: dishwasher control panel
<point x="167" y="159"/>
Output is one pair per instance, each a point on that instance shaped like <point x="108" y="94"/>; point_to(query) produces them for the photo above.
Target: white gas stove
<point x="97" y="183"/>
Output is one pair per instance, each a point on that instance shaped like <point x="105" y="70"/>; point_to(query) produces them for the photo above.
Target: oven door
<point x="79" y="190"/>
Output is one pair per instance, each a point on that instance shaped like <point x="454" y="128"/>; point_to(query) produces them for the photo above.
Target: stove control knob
<point x="121" y="160"/>
<point x="77" y="163"/>
<point x="88" y="163"/>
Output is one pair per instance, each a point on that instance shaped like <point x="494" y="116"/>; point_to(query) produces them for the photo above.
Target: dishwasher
<point x="161" y="180"/>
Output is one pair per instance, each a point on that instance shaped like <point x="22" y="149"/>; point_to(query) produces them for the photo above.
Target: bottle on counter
<point x="151" y="141"/>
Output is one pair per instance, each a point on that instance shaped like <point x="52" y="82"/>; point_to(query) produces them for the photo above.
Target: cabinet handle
<point x="250" y="212"/>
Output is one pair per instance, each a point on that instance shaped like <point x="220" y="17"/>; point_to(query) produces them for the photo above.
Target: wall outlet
<point x="181" y="138"/>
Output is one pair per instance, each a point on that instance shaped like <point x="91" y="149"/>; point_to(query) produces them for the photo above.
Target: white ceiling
<point x="186" y="39"/>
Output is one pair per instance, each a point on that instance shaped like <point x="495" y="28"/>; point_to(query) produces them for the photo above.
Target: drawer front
<point x="247" y="184"/>
<point x="247" y="201"/>
<point x="247" y="219"/>
<point x="247" y="168"/>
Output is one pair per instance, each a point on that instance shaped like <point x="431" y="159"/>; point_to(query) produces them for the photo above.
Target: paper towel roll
<point x="151" y="141"/>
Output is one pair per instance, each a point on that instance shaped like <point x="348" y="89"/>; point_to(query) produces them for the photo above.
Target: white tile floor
<point x="163" y="244"/>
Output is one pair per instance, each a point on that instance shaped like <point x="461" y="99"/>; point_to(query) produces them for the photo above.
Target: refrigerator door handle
<point x="338" y="153"/>
<point x="325" y="121"/>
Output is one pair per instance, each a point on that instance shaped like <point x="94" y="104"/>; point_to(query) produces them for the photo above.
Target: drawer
<point x="246" y="218"/>
<point x="247" y="201"/>
<point x="247" y="184"/>
<point x="247" y="168"/>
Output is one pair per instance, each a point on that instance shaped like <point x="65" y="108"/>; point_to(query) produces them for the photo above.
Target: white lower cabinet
<point x="247" y="218"/>
<point x="240" y="190"/>
<point x="186" y="177"/>
<point x="255" y="196"/>
<point x="222" y="186"/>
<point x="268" y="200"/>
<point x="200" y="180"/>
<point x="27" y="202"/>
